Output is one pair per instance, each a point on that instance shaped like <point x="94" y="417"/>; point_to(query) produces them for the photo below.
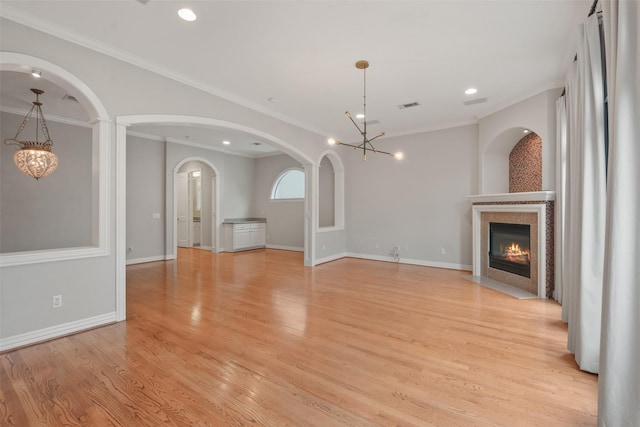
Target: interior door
<point x="183" y="210"/>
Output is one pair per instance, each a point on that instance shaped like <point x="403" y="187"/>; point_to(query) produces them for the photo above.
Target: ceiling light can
<point x="187" y="14"/>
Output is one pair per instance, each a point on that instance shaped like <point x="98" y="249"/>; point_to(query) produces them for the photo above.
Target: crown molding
<point x="58" y="31"/>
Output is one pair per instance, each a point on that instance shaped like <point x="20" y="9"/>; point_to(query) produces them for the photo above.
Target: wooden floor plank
<point x="256" y="338"/>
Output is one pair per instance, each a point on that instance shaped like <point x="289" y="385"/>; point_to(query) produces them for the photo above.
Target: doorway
<point x="195" y="206"/>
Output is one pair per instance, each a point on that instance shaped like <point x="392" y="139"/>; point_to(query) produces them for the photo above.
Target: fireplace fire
<point x="509" y="248"/>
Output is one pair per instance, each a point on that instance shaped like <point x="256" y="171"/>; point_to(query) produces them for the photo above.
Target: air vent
<point x="475" y="101"/>
<point x="409" y="105"/>
<point x="373" y="122"/>
<point x="68" y="97"/>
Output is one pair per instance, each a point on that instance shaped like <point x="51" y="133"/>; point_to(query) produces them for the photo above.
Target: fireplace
<point x="509" y="248"/>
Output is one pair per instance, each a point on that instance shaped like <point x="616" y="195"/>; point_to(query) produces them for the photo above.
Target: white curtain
<point x="585" y="200"/>
<point x="619" y="382"/>
<point x="561" y="182"/>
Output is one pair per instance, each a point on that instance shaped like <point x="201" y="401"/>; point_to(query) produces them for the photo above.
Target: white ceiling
<point x="295" y="59"/>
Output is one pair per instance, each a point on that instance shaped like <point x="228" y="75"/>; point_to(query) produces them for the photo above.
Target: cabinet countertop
<point x="244" y="220"/>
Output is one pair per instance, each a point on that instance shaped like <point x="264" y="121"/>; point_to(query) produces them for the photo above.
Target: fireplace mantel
<point x="538" y="202"/>
<point x="531" y="196"/>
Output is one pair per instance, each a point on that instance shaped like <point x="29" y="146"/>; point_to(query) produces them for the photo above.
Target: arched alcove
<point x="495" y="160"/>
<point x="330" y="192"/>
<point x="98" y="163"/>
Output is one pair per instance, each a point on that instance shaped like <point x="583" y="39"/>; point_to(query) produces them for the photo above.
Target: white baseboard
<point x="148" y="259"/>
<point x="449" y="266"/>
<point x="56" y="331"/>
<point x="286" y="248"/>
<point x="330" y="258"/>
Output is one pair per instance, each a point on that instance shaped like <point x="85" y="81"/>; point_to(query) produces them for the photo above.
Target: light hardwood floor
<point x="254" y="338"/>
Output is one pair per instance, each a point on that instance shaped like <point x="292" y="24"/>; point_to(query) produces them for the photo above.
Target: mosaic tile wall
<point x="525" y="165"/>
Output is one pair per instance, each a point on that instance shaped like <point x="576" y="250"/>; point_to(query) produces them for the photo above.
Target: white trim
<point x="57" y="119"/>
<point x="329" y="229"/>
<point x="286" y="248"/>
<point x="121" y="223"/>
<point x="529" y="196"/>
<point x="51" y="255"/>
<point x="519" y="98"/>
<point x="217" y="222"/>
<point x="476" y="239"/>
<point x="57" y="331"/>
<point x="330" y="258"/>
<point x="277" y="181"/>
<point x="420" y="262"/>
<point x="133" y="261"/>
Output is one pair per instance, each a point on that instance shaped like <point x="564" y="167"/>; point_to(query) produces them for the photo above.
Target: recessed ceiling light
<point x="471" y="91"/>
<point x="226" y="142"/>
<point x="36" y="73"/>
<point x="360" y="116"/>
<point x="187" y="14"/>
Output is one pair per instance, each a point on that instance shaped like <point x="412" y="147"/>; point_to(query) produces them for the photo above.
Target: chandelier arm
<point x="356" y="125"/>
<point x="45" y="129"/>
<point x="351" y="145"/>
<point x="376" y="137"/>
<point x="24" y="123"/>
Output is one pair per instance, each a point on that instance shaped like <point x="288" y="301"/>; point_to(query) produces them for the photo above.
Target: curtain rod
<point x="592" y="10"/>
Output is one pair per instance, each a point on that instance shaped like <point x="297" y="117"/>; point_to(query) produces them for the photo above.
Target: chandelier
<point x="34" y="158"/>
<point x="366" y="144"/>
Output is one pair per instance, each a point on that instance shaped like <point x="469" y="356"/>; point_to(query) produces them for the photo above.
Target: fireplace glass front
<point x="509" y="248"/>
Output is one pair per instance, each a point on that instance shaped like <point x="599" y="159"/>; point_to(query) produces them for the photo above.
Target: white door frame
<point x="214" y="202"/>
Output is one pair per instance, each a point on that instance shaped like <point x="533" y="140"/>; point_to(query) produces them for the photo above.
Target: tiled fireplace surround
<point x="533" y="208"/>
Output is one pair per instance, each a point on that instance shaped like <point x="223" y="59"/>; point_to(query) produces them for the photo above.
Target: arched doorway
<point x="122" y="122"/>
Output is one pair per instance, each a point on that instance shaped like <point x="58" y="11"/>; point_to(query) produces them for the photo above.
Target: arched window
<point x="289" y="185"/>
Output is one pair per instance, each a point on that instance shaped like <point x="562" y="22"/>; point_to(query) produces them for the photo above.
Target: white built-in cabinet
<point x="243" y="236"/>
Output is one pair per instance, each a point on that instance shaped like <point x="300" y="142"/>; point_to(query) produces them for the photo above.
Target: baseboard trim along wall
<point x="448" y="266"/>
<point x="56" y="331"/>
<point x="331" y="258"/>
<point x="148" y="259"/>
<point x="285" y="248"/>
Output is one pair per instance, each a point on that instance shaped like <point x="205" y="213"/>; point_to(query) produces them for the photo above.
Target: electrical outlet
<point x="155" y="215"/>
<point x="57" y="301"/>
<point x="442" y="251"/>
<point x="324" y="247"/>
<point x="377" y="245"/>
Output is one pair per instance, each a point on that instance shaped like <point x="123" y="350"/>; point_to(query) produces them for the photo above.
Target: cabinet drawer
<point x="238" y="227"/>
<point x="257" y="226"/>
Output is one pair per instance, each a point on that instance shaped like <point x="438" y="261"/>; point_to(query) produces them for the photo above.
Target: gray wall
<point x="418" y="203"/>
<point x="285" y="218"/>
<point x="56" y="211"/>
<point x="145" y="196"/>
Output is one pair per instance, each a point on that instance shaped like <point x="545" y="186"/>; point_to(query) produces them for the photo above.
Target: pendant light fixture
<point x="34" y="158"/>
<point x="366" y="142"/>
